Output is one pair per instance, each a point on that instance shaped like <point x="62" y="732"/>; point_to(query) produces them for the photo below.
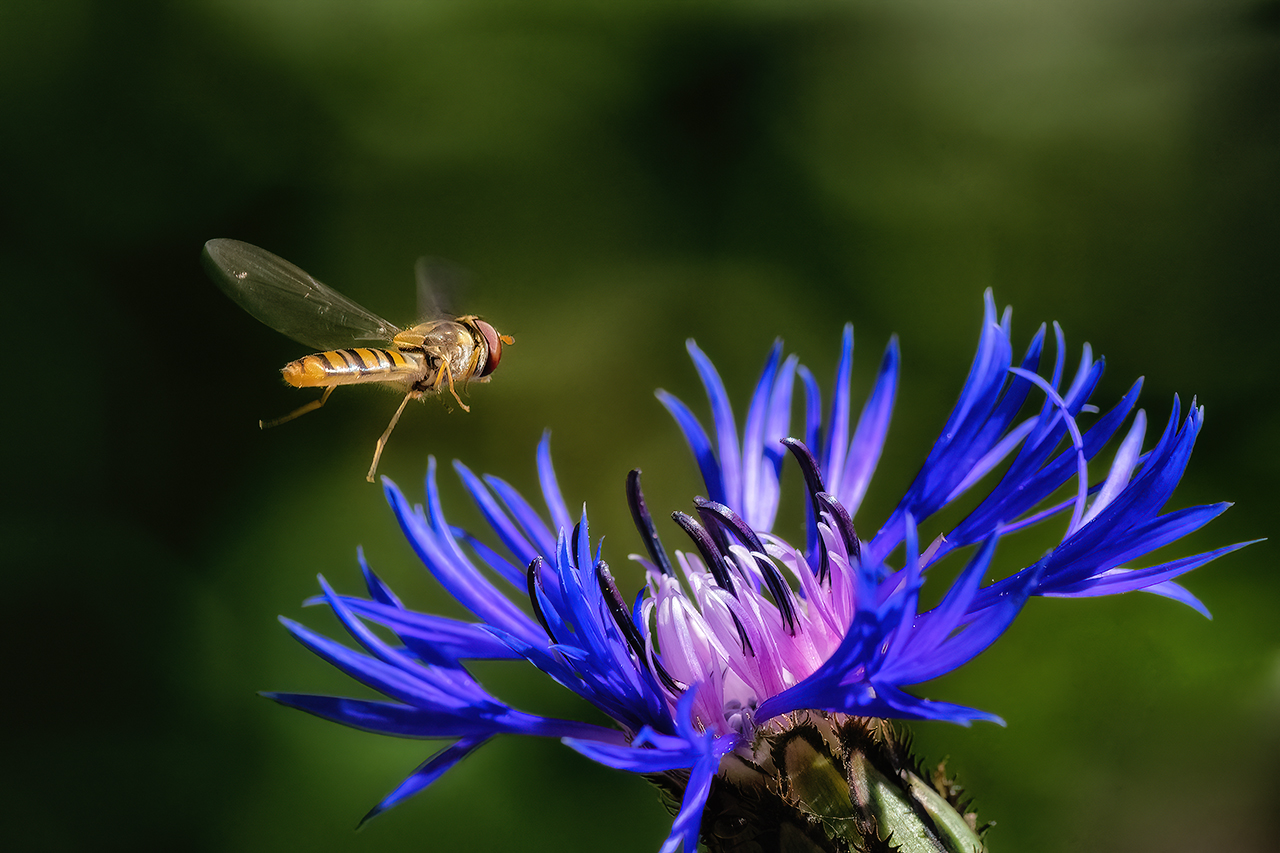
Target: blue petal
<point x="426" y="723"/>
<point x="777" y="428"/>
<point x="377" y="589"/>
<point x="813" y="432"/>
<point x="560" y="519"/>
<point x="1181" y="594"/>
<point x="590" y="658"/>
<point x="1126" y="580"/>
<point x="440" y="553"/>
<point x="895" y="704"/>
<point x="387" y="718"/>
<point x="956" y="451"/>
<point x="439" y="688"/>
<point x="1023" y="486"/>
<point x="932" y="630"/>
<point x="427" y="773"/>
<point x="698" y="442"/>
<point x="535" y="529"/>
<point x="433" y="638"/>
<point x="500" y="564"/>
<point x="726" y="429"/>
<point x="759" y="470"/>
<point x="688" y="822"/>
<point x="832" y="455"/>
<point x="651" y="752"/>
<point x="873" y="428"/>
<point x="982" y="629"/>
<point x="511" y="535"/>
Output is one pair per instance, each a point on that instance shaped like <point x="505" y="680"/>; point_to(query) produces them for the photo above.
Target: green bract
<point x="830" y="783"/>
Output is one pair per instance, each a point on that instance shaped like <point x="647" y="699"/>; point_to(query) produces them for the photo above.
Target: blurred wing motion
<point x="289" y="300"/>
<point x="440" y="283"/>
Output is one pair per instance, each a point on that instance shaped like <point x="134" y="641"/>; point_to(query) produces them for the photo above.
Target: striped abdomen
<point x="349" y="366"/>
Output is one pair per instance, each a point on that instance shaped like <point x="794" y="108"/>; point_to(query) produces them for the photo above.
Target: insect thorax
<point x="454" y="342"/>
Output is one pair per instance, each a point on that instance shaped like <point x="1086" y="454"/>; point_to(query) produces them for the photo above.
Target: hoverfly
<point x="357" y="346"/>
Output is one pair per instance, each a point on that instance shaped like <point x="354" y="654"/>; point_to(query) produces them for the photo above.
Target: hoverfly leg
<point x="300" y="411"/>
<point x="382" y="442"/>
<point x="446" y="372"/>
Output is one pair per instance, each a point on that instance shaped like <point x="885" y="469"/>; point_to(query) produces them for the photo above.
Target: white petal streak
<point x="1121" y="467"/>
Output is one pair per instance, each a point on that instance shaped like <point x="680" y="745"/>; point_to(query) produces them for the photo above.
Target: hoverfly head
<point x="493" y="342"/>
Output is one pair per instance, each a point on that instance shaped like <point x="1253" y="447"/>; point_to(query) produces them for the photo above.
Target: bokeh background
<point x="617" y="177"/>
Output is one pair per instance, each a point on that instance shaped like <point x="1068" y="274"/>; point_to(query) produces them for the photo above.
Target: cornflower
<point x="752" y="680"/>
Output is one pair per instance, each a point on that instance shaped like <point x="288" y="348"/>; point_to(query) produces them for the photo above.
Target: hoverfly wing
<point x="439" y="284"/>
<point x="289" y="300"/>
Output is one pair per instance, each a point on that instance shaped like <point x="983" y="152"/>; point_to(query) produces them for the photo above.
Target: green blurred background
<point x="618" y="176"/>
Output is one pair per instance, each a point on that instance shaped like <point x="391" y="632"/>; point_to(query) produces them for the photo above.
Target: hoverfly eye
<point x="494" y="342"/>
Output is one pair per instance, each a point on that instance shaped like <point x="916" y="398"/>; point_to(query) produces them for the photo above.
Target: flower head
<point x="745" y="650"/>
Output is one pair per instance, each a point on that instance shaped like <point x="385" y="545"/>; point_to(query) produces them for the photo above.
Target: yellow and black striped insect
<point x="357" y="345"/>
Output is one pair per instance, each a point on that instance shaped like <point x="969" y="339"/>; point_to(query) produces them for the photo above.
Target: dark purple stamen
<point x="717" y="561"/>
<point x="644" y="524"/>
<point x="573" y="544"/>
<point x="618" y="608"/>
<point x="534" y="578"/>
<point x="707" y="548"/>
<point x="747" y="648"/>
<point x="808" y="465"/>
<point x="622" y="618"/>
<point x="843" y="523"/>
<point x="714" y="525"/>
<point x="813" y="482"/>
<point x="726" y="519"/>
<point x="718" y="517"/>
